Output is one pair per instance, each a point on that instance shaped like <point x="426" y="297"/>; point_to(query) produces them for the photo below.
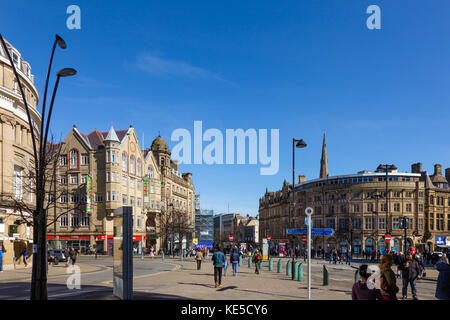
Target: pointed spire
<point x="324" y="160"/>
<point x="112" y="136"/>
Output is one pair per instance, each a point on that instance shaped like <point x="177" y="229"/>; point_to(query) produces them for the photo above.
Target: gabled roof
<point x="83" y="137"/>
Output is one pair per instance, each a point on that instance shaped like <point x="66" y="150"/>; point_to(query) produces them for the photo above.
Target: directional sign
<point x="314" y="231"/>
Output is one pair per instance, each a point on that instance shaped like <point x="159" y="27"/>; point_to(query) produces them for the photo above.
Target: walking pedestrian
<point x="25" y="257"/>
<point x="443" y="282"/>
<point x="234" y="259"/>
<point x="360" y="290"/>
<point x="1" y="258"/>
<point x="349" y="257"/>
<point x="225" y="267"/>
<point x="410" y="273"/>
<point x="67" y="256"/>
<point x="73" y="255"/>
<point x="257" y="261"/>
<point x="199" y="258"/>
<point x="388" y="286"/>
<point x="218" y="259"/>
<point x="443" y="259"/>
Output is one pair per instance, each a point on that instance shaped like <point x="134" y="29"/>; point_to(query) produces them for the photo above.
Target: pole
<point x="387" y="204"/>
<point x="293" y="205"/>
<point x="309" y="257"/>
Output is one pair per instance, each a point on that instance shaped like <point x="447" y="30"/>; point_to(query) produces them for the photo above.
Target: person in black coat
<point x="410" y="269"/>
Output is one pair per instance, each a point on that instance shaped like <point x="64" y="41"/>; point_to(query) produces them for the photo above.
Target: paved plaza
<point x="172" y="278"/>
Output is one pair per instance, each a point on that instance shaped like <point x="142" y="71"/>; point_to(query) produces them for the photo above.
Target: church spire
<point x="324" y="160"/>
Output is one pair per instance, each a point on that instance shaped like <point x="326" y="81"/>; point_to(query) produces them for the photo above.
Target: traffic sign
<point x="268" y="238"/>
<point x="230" y="238"/>
<point x="387" y="238"/>
<point x="304" y="239"/>
<point x="314" y="231"/>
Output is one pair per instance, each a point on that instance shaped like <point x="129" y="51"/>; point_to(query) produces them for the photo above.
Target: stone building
<point x="98" y="173"/>
<point x="16" y="157"/>
<point x="358" y="209"/>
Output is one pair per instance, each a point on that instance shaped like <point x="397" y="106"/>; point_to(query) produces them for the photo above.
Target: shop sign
<point x="88" y="193"/>
<point x="440" y="240"/>
<point x="146" y="192"/>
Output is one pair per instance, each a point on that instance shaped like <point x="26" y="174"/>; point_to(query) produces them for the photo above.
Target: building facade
<point x="16" y="158"/>
<point x="96" y="174"/>
<point x="361" y="209"/>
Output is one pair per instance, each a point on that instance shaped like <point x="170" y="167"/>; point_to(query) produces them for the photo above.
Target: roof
<point x="112" y="136"/>
<point x="160" y="145"/>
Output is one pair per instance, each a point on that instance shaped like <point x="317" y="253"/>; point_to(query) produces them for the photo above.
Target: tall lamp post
<point x="39" y="270"/>
<point x="387" y="168"/>
<point x="296" y="143"/>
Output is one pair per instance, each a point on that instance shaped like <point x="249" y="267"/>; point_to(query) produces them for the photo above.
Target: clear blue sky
<point x="303" y="67"/>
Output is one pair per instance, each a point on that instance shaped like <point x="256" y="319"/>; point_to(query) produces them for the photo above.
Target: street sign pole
<point x="309" y="212"/>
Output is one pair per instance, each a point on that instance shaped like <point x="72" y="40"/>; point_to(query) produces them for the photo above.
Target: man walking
<point x="218" y="259"/>
<point x="257" y="261"/>
<point x="1" y="258"/>
<point x="199" y="258"/>
<point x="410" y="272"/>
<point x="73" y="255"/>
<point x="67" y="255"/>
<point x="234" y="259"/>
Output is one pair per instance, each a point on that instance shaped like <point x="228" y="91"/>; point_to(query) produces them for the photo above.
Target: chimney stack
<point x="416" y="167"/>
<point x="301" y="179"/>
<point x="437" y="170"/>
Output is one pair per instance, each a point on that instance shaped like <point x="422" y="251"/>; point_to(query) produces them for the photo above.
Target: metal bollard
<point x="270" y="264"/>
<point x="240" y="261"/>
<point x="357" y="276"/>
<point x="288" y="268"/>
<point x="325" y="275"/>
<point x="296" y="270"/>
<point x="300" y="272"/>
<point x="249" y="262"/>
<point x="279" y="266"/>
<point x="142" y="255"/>
<point x="162" y="257"/>
<point x="181" y="256"/>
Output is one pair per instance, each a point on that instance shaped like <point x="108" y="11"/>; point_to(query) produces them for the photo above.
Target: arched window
<point x="124" y="162"/>
<point x="150" y="171"/>
<point x="132" y="165"/>
<point x="139" y="168"/>
<point x="73" y="159"/>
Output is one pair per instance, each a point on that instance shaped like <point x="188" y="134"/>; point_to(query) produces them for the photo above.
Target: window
<point x="74" y="179"/>
<point x="356" y="223"/>
<point x="151" y="189"/>
<point x="152" y="204"/>
<point x="132" y="165"/>
<point x="74" y="159"/>
<point x="395" y="223"/>
<point x="85" y="220"/>
<point x="108" y="176"/>
<point x="370" y="223"/>
<point x="448" y="222"/>
<point x="63" y="220"/>
<point x="342" y="223"/>
<point x="139" y="222"/>
<point x="98" y="197"/>
<point x="74" y="219"/>
<point x="331" y="223"/>
<point x="63" y="179"/>
<point x="18" y="182"/>
<point x="124" y="180"/>
<point x="139" y="185"/>
<point x="63" y="198"/>
<point x="115" y="196"/>
<point x="381" y="223"/>
<point x="383" y="207"/>
<point x="139" y="202"/>
<point x="124" y="162"/>
<point x="370" y="207"/>
<point x="331" y="210"/>
<point x="51" y="198"/>
<point x="74" y="198"/>
<point x="108" y="156"/>
<point x="139" y="167"/>
<point x="83" y="178"/>
<point x="124" y="199"/>
<point x="150" y="171"/>
<point x="108" y="196"/>
<point x="63" y="160"/>
<point x="131" y="183"/>
<point x="85" y="159"/>
<point x="408" y="207"/>
<point x="421" y="207"/>
<point x="397" y="207"/>
<point x="431" y="221"/>
<point x="440" y="221"/>
<point x="420" y="224"/>
<point x="356" y="208"/>
<point x="113" y="156"/>
<point x="131" y="201"/>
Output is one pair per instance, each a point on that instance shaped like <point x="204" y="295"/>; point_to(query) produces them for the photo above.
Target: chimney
<point x="301" y="179"/>
<point x="437" y="170"/>
<point x="447" y="174"/>
<point x="416" y="167"/>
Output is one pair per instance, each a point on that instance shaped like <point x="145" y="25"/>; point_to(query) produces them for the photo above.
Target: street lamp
<point x="296" y="143"/>
<point x="387" y="168"/>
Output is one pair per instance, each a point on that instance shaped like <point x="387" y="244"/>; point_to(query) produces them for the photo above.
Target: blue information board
<point x="314" y="231"/>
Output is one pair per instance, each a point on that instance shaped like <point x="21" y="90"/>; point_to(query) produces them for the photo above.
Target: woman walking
<point x="388" y="287"/>
<point x="234" y="258"/>
<point x="257" y="261"/>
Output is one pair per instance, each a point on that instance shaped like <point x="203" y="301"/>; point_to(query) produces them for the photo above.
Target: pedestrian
<point x="360" y="290"/>
<point x="96" y="251"/>
<point x="73" y="255"/>
<point x="225" y="267"/>
<point x="1" y="258"/>
<point x="443" y="259"/>
<point x="443" y="281"/>
<point x="234" y="259"/>
<point x="388" y="286"/>
<point x="152" y="252"/>
<point x="67" y="256"/>
<point x="349" y="257"/>
<point x="199" y="258"/>
<point x="218" y="259"/>
<point x="410" y="273"/>
<point x="25" y="257"/>
<point x="257" y="261"/>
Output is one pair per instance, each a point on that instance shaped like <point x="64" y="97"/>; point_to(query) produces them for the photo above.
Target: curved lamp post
<point x="39" y="270"/>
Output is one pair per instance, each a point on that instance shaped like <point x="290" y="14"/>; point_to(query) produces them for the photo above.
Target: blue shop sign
<point x="440" y="240"/>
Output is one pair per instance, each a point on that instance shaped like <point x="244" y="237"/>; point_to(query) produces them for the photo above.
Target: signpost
<point x="309" y="212"/>
<point x="230" y="238"/>
<point x="387" y="238"/>
<point x="269" y="238"/>
<point x="304" y="239"/>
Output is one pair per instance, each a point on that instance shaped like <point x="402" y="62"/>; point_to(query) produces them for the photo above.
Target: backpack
<point x="391" y="290"/>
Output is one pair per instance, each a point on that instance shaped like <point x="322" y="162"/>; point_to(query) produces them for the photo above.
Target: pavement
<point x="172" y="278"/>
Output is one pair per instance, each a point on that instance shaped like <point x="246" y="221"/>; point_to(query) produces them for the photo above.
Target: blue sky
<point x="303" y="67"/>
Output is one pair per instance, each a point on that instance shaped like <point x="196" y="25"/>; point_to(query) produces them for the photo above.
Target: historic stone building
<point x="102" y="171"/>
<point x="16" y="157"/>
<point x="355" y="206"/>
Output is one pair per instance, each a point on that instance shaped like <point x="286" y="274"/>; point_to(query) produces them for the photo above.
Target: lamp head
<point x="300" y="144"/>
<point x="61" y="43"/>
<point x="66" y="72"/>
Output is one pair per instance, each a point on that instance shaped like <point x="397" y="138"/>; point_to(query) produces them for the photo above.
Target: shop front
<point x="81" y="243"/>
<point x="356" y="247"/>
<point x="100" y="244"/>
<point x="395" y="246"/>
<point x="370" y="245"/>
<point x="382" y="246"/>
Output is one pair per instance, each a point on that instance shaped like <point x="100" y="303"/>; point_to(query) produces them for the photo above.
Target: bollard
<point x="357" y="276"/>
<point x="296" y="270"/>
<point x="181" y="257"/>
<point x="142" y="255"/>
<point x="240" y="261"/>
<point x="279" y="266"/>
<point x="300" y="272"/>
<point x="325" y="276"/>
<point x="288" y="268"/>
<point x="162" y="256"/>
<point x="271" y="264"/>
<point x="249" y="262"/>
